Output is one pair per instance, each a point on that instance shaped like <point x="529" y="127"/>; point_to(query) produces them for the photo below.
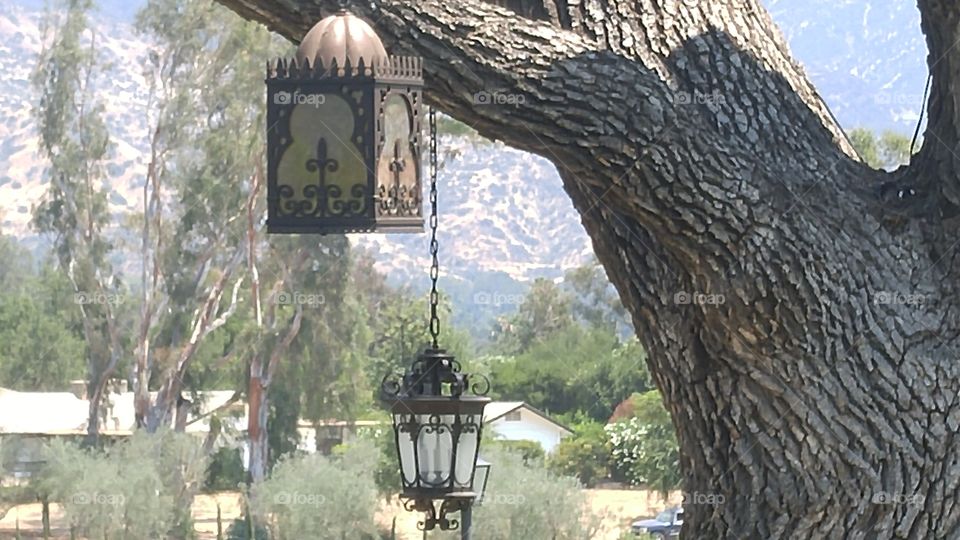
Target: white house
<point x="518" y="421"/>
<point x="504" y="420"/>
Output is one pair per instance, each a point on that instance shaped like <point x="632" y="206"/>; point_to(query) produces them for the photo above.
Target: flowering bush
<point x="644" y="447"/>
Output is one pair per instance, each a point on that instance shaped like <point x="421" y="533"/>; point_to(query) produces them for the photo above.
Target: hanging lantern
<point x="437" y="426"/>
<point x="343" y="134"/>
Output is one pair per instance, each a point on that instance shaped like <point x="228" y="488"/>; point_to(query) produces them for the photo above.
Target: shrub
<point x="585" y="455"/>
<point x="386" y="471"/>
<point x="240" y="530"/>
<point x="525" y="500"/>
<point x="139" y="488"/>
<point x="312" y="493"/>
<point x="225" y="471"/>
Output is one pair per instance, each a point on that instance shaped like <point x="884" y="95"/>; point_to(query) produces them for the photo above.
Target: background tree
<point x="544" y="311"/>
<point x="564" y="350"/>
<point x="586" y="455"/>
<point x="41" y="343"/>
<point x="888" y="151"/>
<point x="796" y="304"/>
<point x="202" y="158"/>
<point x="74" y="141"/>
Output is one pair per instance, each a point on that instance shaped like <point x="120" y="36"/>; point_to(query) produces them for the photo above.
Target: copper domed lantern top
<point x="341" y="37"/>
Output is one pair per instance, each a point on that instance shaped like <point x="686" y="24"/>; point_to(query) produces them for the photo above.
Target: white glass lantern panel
<point x="406" y="437"/>
<point x="435" y="449"/>
<point x="480" y="479"/>
<point x="466" y="452"/>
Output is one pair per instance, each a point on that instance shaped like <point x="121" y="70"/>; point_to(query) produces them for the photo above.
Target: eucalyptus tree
<point x="73" y="211"/>
<point x="202" y="157"/>
<point x="801" y="310"/>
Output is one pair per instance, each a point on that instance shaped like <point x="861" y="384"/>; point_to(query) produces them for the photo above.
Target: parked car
<point x="665" y="525"/>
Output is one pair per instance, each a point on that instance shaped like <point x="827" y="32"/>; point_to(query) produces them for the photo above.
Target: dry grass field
<point x="617" y="507"/>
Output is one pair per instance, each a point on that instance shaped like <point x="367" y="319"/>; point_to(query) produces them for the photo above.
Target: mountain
<point x="867" y="58"/>
<point x="505" y="218"/>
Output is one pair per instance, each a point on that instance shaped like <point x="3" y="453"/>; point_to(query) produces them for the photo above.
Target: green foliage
<point x="400" y="321"/>
<point x="225" y="471"/>
<point x="73" y="211"/>
<point x="644" y="446"/>
<point x="888" y="151"/>
<point x="530" y="451"/>
<point x="562" y="352"/>
<point x="526" y="500"/>
<point x="545" y="311"/>
<point x="312" y="493"/>
<point x="133" y="489"/>
<point x="450" y="126"/>
<point x="594" y="301"/>
<point x="579" y="369"/>
<point x="585" y="455"/>
<point x="240" y="530"/>
<point x="386" y="471"/>
<point x="41" y="345"/>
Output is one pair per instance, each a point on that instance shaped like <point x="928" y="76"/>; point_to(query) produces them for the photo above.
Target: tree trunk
<point x="799" y="308"/>
<point x="257" y="426"/>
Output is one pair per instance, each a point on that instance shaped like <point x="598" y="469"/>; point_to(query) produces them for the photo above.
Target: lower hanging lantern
<point x="437" y="426"/>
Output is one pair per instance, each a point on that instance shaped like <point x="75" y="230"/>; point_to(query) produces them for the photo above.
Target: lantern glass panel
<point x="467" y="446"/>
<point x="397" y="170"/>
<point x="480" y="479"/>
<point x="435" y="449"/>
<point x="322" y="166"/>
<point x="406" y="432"/>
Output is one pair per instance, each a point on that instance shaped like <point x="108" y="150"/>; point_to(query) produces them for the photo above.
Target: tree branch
<point x="938" y="163"/>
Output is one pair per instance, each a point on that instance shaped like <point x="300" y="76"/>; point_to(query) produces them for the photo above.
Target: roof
<point x="41" y="412"/>
<point x="498" y="409"/>
<point x="63" y="413"/>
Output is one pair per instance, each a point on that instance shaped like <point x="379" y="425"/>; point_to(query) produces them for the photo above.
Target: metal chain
<point x="434" y="245"/>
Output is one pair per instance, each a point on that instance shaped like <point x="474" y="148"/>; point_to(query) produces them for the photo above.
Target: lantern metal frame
<point x="372" y="204"/>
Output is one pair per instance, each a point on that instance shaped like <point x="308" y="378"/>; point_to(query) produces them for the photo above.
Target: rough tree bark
<point x="799" y="308"/>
